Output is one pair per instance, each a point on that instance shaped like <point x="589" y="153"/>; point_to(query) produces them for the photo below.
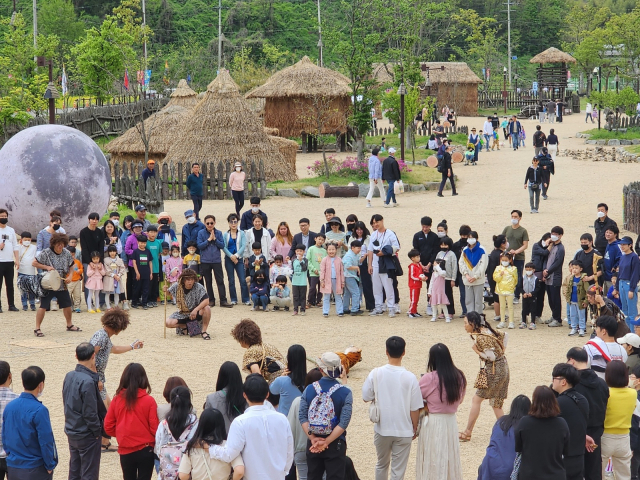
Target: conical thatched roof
<point x="453" y="73"/>
<point x="183" y="95"/>
<point x="553" y="55"/>
<point x="162" y="128"/>
<point x="303" y="79"/>
<point x="223" y="128"/>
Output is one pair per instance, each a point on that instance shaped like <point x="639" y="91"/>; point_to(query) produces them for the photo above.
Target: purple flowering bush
<point x="349" y="167"/>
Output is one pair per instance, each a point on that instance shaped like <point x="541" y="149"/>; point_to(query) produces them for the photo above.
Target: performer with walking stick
<point x="194" y="313"/>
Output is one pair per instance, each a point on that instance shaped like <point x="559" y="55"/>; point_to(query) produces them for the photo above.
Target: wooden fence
<point x="170" y="183"/>
<point x="423" y="131"/>
<point x="631" y="207"/>
<point x="515" y="100"/>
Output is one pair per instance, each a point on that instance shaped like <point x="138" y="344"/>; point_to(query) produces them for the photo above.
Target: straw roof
<point x="222" y="128"/>
<point x="553" y="55"/>
<point x="454" y="72"/>
<point x="271" y="131"/>
<point x="183" y="95"/>
<point x="301" y="80"/>
<point x="162" y="128"/>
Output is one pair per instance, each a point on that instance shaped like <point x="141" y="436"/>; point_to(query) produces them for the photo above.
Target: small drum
<point x="446" y="123"/>
<point x="432" y="161"/>
<point x="457" y="157"/>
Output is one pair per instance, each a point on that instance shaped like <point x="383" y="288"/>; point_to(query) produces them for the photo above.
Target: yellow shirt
<point x="620" y="407"/>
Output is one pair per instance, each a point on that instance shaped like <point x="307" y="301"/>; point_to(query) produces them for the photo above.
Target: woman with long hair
<point x="228" y="397"/>
<point x="443" y="388"/>
<point x="493" y="379"/>
<point x="170" y="384"/>
<point x="499" y="247"/>
<point x="542" y="438"/>
<point x="132" y="418"/>
<point x="361" y="233"/>
<point x="291" y="385"/>
<point x="111" y="236"/>
<point x="126" y="232"/>
<point x="501" y="453"/>
<point x="196" y="464"/>
<point x="281" y="242"/>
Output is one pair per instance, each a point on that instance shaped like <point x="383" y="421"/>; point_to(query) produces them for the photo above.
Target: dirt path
<point x="488" y="193"/>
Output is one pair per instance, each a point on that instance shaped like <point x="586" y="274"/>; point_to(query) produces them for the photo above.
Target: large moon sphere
<point x="49" y="167"/>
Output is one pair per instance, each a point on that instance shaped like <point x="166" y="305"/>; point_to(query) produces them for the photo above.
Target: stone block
<point x="271" y="192"/>
<point x="287" y="192"/>
<point x="601" y="142"/>
<point x="591" y="142"/>
<point x="614" y="142"/>
<point x="310" y="192"/>
<point x="364" y="190"/>
<point x="625" y="142"/>
<point x="417" y="188"/>
<point x="635" y="141"/>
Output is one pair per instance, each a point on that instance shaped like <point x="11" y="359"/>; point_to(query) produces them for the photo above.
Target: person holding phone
<point x="8" y="258"/>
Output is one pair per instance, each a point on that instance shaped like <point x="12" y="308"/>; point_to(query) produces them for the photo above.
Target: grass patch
<point x="633" y="149"/>
<point x="630" y="134"/>
<point x="124" y="211"/>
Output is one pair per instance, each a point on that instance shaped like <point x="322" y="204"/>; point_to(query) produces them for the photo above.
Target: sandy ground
<point x="488" y="192"/>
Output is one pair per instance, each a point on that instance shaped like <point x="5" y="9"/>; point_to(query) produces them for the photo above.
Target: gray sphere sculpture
<point x="49" y="167"/>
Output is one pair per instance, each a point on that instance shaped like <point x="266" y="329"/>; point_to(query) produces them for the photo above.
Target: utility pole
<point x="320" y="34"/>
<point x="35" y="26"/>
<point x="219" y="36"/>
<point x="509" y="37"/>
<point x="144" y="29"/>
<point x="599" y="91"/>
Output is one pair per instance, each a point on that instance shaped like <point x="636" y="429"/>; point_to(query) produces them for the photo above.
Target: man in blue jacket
<point x="211" y="244"/>
<point x="514" y="132"/>
<point x="246" y="221"/>
<point x="27" y="437"/>
<point x="612" y="256"/>
<point x="190" y="230"/>
<point x="194" y="184"/>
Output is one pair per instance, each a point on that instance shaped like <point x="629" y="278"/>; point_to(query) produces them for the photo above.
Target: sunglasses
<point x="232" y="221"/>
<point x="209" y="223"/>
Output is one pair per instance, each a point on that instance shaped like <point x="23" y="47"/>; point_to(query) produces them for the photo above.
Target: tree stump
<point x="327" y="191"/>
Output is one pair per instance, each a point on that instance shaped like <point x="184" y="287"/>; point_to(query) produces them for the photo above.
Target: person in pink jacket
<point x="281" y="243"/>
<point x="331" y="280"/>
<point x="173" y="267"/>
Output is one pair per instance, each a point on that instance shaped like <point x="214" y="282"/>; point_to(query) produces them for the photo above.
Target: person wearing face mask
<point x="518" y="239"/>
<point x="246" y="221"/>
<point x="442" y="231"/>
<point x="236" y="180"/>
<point x="165" y="232"/>
<point x="601" y="224"/>
<point x="9" y="259"/>
<point x="552" y="275"/>
<point x="473" y="265"/>
<point x="428" y="244"/>
<point x="194" y="184"/>
<point x="500" y="245"/>
<point x="457" y="249"/>
<point x="44" y="235"/>
<point x="115" y="218"/>
<point x="190" y="231"/>
<point x="627" y="283"/>
<point x="450" y="271"/>
<point x="27" y="437"/>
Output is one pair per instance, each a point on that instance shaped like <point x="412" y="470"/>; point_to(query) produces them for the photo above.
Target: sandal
<point x="38" y="333"/>
<point x="106" y="448"/>
<point x="205" y="336"/>
<point x="463" y="437"/>
<point x="73" y="328"/>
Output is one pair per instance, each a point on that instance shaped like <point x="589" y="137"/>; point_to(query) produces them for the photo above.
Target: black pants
<point x="635" y="465"/>
<point x="238" y="198"/>
<point x="7" y="270"/>
<point x="555" y="302"/>
<point x="197" y="205"/>
<point x="84" y="458"/>
<point x="3" y="468"/>
<point x="332" y="460"/>
<point x="141" y="290"/>
<point x="593" y="460"/>
<point x="38" y="473"/>
<point x="216" y="268"/>
<point x="540" y="297"/>
<point x="131" y="276"/>
<point x="299" y="297"/>
<point x="574" y="467"/>
<point x="519" y="264"/>
<point x="448" y="291"/>
<point x="315" y="297"/>
<point x="367" y="286"/>
<point x="292" y="473"/>
<point x="138" y="465"/>
<point x="444" y="181"/>
<point x="154" y="291"/>
<point x="529" y="308"/>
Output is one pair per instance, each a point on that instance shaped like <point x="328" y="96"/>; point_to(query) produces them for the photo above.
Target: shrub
<point x="349" y="167"/>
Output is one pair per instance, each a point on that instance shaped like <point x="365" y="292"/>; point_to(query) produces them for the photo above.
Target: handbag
<point x="398" y="187"/>
<point x="193" y="328"/>
<point x="482" y="380"/>
<point x="515" y="473"/>
<point x="374" y="409"/>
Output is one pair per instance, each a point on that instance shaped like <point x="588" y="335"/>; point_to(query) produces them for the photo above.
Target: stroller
<point x="486" y="294"/>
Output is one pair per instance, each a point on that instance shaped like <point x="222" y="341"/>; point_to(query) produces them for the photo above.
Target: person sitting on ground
<point x="193" y="304"/>
<point x="260" y="357"/>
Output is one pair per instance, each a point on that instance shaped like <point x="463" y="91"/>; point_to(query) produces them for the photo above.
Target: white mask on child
<point x="554" y="238"/>
<point x="471" y="241"/>
<point x="176" y="254"/>
<point x="528" y="273"/>
<point x="26" y="243"/>
<point x="116" y="222"/>
<point x="505" y="264"/>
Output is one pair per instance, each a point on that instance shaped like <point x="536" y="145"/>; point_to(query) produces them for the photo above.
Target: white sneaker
<point x="501" y="325"/>
<point x="392" y="313"/>
<point x="581" y="333"/>
<point x="565" y="320"/>
<point x="54" y="306"/>
<point x="397" y="307"/>
<point x="511" y="325"/>
<point x="496" y="318"/>
<point x="448" y="319"/>
<point x="573" y="332"/>
<point x="125" y="305"/>
<point x="433" y="319"/>
<point x="429" y="310"/>
<point x="369" y="205"/>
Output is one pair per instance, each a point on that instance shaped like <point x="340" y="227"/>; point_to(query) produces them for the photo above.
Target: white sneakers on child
<point x="573" y="332"/>
<point x="502" y="325"/>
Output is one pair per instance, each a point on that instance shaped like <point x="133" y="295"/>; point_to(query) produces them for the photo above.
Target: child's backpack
<point x="321" y="410"/>
<point x="171" y="453"/>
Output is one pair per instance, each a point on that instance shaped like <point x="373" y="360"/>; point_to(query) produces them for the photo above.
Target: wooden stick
<point x="165" y="314"/>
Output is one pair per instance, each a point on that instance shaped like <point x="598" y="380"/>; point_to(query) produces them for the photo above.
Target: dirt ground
<point x="487" y="194"/>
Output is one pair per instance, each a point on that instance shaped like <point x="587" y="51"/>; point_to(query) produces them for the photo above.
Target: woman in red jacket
<point x="132" y="418"/>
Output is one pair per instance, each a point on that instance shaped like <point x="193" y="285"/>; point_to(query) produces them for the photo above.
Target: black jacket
<point x="493" y="262"/>
<point x="574" y="408"/>
<point x="446" y="164"/>
<point x="595" y="390"/>
<point x="534" y="175"/>
<point x="428" y="246"/>
<point x="84" y="410"/>
<point x="297" y="240"/>
<point x="539" y="138"/>
<point x="539" y="256"/>
<point x="390" y="169"/>
<point x="547" y="166"/>
<point x="600" y="227"/>
<point x="246" y="220"/>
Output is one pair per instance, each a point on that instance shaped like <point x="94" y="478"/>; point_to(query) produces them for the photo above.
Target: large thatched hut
<point x="295" y="95"/>
<point x="183" y="95"/>
<point x="161" y="129"/>
<point x="223" y="128"/>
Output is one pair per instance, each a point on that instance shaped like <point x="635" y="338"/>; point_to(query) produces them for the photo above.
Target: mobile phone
<point x="135" y="342"/>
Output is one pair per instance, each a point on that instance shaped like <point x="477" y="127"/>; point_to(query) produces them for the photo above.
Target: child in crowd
<point x="614" y="296"/>
<point x="575" y="293"/>
<point x="433" y="143"/>
<point x="75" y="287"/>
<point x="470" y="154"/>
<point x="416" y="280"/>
<point x="141" y="259"/>
<point x="315" y="254"/>
<point x="192" y="259"/>
<point x="437" y="294"/>
<point x="173" y="268"/>
<point x="280" y="295"/>
<point x="166" y="254"/>
<point x="531" y="286"/>
<point x="522" y="136"/>
<point x="93" y="285"/>
<point x="351" y="263"/>
<point x="337" y="235"/>
<point x="113" y="283"/>
<point x="259" y="291"/>
<point x="27" y="254"/>
<point x="496" y="141"/>
<point x="154" y="245"/>
<point x="506" y="278"/>
<point x="277" y="269"/>
<point x="332" y="280"/>
<point x="300" y="266"/>
<point x="256" y="263"/>
<point x="73" y="242"/>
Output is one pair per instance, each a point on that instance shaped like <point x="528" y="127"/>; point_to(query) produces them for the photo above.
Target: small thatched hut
<point x="183" y="95"/>
<point x="290" y="95"/>
<point x="161" y="128"/>
<point x="223" y="128"/>
<point x="552" y="78"/>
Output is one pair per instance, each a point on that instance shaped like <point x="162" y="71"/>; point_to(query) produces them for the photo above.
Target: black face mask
<point x="4" y="221"/>
<point x="56" y="227"/>
<point x="259" y="280"/>
<point x="585" y="247"/>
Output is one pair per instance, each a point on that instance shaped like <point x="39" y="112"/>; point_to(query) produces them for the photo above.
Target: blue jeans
<point x="487" y="140"/>
<point x="326" y="300"/>
<point x="577" y="317"/>
<point x="27" y="298"/>
<point x="233" y="270"/>
<point x="351" y="294"/>
<point x="522" y="141"/>
<point x="629" y="306"/>
<point x="515" y="139"/>
<point x="260" y="300"/>
<point x="390" y="192"/>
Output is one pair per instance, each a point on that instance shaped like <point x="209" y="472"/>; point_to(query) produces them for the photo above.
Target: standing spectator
<point x="495" y="121"/>
<point x="472" y="265"/>
<point x="332" y="281"/>
<point x="631" y="343"/>
<point x="443" y="388"/>
<point x="247" y="219"/>
<point x="585" y="256"/>
<point x="141" y="215"/>
<point x="542" y="438"/>
<point x="487" y="131"/>
<point x="504" y="124"/>
<point x="351" y="264"/>
<point x="553" y="144"/>
<point x="6" y="395"/>
<point x="541" y="112"/>
<point x="290" y="386"/>
<point x="603" y="348"/>
<point x="194" y="184"/>
<point x="506" y="278"/>
<point x="27" y="437"/>
<point x="627" y="282"/>
<point x="551" y="110"/>
<point x="305" y="237"/>
<point x="416" y="279"/>
<point x="427" y="243"/>
<point x="142" y="261"/>
<point x="552" y="276"/>
<point x="515" y="129"/>
<point x="532" y="181"/>
<point x="457" y="248"/>
<point x="446" y="169"/>
<point x="27" y="254"/>
<point x="327" y="444"/>
<point x="500" y="245"/>
<point x="256" y="428"/>
<point x="391" y="173"/>
<point x="575" y="294"/>
<point x="133" y="419"/>
<point x="588" y="111"/>
<point x="211" y="245"/>
<point x="228" y="398"/>
<point x="474" y="139"/>
<point x="518" y="239"/>
<point x="612" y="255"/>
<point x="8" y="258"/>
<point x="236" y="180"/>
<point x="44" y="235"/>
<point x="91" y="240"/>
<point x="149" y="171"/>
<point x="190" y="230"/>
<point x="397" y="396"/>
<point x="281" y="243"/>
<point x="84" y="414"/>
<point x="601" y="224"/>
<point x="539" y="139"/>
<point x="378" y="259"/>
<point x="260" y="235"/>
<point x="235" y="244"/>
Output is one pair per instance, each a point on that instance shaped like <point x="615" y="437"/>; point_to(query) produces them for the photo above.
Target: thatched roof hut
<point x="183" y="95"/>
<point x="293" y="95"/>
<point x="553" y="78"/>
<point x="222" y="128"/>
<point x="161" y="128"/>
<point x="553" y="55"/>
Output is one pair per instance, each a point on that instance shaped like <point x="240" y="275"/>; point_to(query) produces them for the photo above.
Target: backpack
<point x="321" y="410"/>
<point x="439" y="166"/>
<point x="171" y="453"/>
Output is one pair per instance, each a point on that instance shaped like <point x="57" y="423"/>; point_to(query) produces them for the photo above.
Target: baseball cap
<point x="151" y="162"/>
<point x="330" y="364"/>
<point x="188" y="213"/>
<point x="165" y="245"/>
<point x="137" y="223"/>
<point x="392" y="150"/>
<point x="140" y="208"/>
<point x="630" y="339"/>
<point x="626" y="241"/>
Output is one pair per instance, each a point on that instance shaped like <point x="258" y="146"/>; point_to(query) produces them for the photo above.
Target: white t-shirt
<point x="387" y="238"/>
<point x="27" y="255"/>
<point x="614" y="351"/>
<point x="194" y="463"/>
<point x="398" y="396"/>
<point x="8" y="237"/>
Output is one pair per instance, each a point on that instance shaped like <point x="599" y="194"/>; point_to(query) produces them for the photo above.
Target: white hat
<point x="630" y="339"/>
<point x="330" y="364"/>
<point x="392" y="150"/>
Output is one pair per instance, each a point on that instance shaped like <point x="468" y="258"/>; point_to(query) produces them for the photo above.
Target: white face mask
<point x="40" y="393"/>
<point x="601" y="214"/>
<point x="191" y="220"/>
<point x="505" y="264"/>
<point x="514" y="221"/>
<point x="238" y="169"/>
<point x="26" y="243"/>
<point x="255" y="209"/>
<point x="528" y="273"/>
<point x="554" y="238"/>
<point x="176" y="254"/>
<point x="442" y="234"/>
<point x="116" y="222"/>
<point x="471" y="241"/>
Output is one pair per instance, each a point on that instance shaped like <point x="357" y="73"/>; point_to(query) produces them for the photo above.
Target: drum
<point x="432" y="161"/>
<point x="457" y="157"/>
<point x="446" y="123"/>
